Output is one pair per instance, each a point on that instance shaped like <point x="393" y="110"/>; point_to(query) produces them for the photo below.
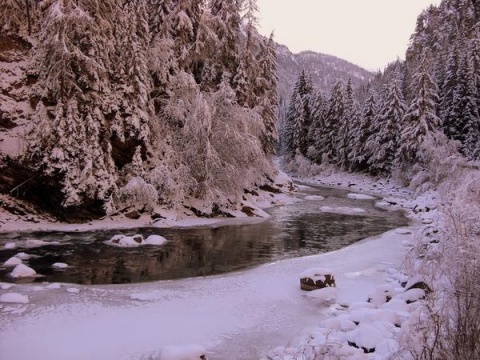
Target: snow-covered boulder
<point x="125" y="241"/>
<point x="381" y="295"/>
<point x="59" y="265"/>
<point x="413" y="295"/>
<point x="365" y="337"/>
<point x="316" y="278"/>
<point x="14" y="298"/>
<point x="121" y="240"/>
<point x="9" y="246"/>
<point x="13" y="261"/>
<point x="22" y="271"/>
<point x="23" y="256"/>
<point x="155" y="240"/>
<point x="187" y="352"/>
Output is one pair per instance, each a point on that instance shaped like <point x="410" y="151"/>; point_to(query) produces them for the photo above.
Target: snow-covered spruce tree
<point x="384" y="141"/>
<point x="318" y="108"/>
<point x="360" y="153"/>
<point x="225" y="56"/>
<point x="266" y="86"/>
<point x="420" y="121"/>
<point x="449" y="107"/>
<point x="70" y="143"/>
<point x="327" y="142"/>
<point x="298" y="120"/>
<point x="349" y="122"/>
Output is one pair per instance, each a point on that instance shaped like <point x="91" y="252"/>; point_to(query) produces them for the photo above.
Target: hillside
<point x="324" y="69"/>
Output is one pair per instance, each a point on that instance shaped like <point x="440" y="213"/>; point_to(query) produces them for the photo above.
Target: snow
<point x="22" y="271"/>
<point x="121" y="240"/>
<point x="13" y="261"/>
<point x="360" y="196"/>
<point x="59" y="265"/>
<point x="241" y="315"/>
<point x="14" y="298"/>
<point x="186" y="352"/>
<point x="155" y="240"/>
<point x="342" y="210"/>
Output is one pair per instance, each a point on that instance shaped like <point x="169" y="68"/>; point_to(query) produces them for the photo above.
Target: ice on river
<point x="237" y="316"/>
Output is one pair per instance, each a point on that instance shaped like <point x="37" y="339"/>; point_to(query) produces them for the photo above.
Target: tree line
<point x="430" y="98"/>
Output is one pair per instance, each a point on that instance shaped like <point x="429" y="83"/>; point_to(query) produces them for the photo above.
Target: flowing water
<point x="305" y="228"/>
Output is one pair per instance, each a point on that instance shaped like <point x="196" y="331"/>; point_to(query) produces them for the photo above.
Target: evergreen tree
<point x="348" y="123"/>
<point x="335" y="112"/>
<point x="361" y="153"/>
<point x="470" y="113"/>
<point x="383" y="144"/>
<point x="318" y="109"/>
<point x="266" y="86"/>
<point x="420" y="121"/>
<point x="299" y="118"/>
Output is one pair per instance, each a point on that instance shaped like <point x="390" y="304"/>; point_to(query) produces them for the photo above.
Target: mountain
<point x="324" y="69"/>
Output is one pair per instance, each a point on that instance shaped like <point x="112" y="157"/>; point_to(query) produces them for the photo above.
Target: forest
<point x="391" y="124"/>
<point x="144" y="103"/>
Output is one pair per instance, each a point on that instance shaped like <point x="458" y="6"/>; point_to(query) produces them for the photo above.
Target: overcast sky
<point x="369" y="33"/>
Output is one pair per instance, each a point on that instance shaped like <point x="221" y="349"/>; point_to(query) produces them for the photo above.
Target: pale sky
<point x="369" y="33"/>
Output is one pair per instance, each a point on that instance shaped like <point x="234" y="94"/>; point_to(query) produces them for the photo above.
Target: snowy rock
<point x="72" y="290"/>
<point x="13" y="261"/>
<point x="326" y="295"/>
<point x="22" y="271"/>
<point x="413" y="295"/>
<point x="59" y="265"/>
<point x="155" y="240"/>
<point x="365" y="337"/>
<point x="126" y="241"/>
<point x="23" y="256"/>
<point x="9" y="246"/>
<point x="381" y="295"/>
<point x="316" y="278"/>
<point x="188" y="352"/>
<point x="14" y="298"/>
<point x="360" y="196"/>
<point x="417" y="282"/>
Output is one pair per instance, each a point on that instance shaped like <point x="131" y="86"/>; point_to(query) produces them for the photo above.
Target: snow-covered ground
<point x="250" y="314"/>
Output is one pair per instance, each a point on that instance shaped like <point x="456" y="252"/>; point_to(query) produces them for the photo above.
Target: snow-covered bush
<point x="137" y="193"/>
<point x="447" y="324"/>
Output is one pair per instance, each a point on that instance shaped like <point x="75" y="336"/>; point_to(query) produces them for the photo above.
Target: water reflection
<point x="294" y="230"/>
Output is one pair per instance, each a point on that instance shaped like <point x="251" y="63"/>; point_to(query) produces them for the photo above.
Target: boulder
<point x="316" y="278"/>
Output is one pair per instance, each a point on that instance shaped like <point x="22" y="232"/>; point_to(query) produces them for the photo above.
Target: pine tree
<point x="348" y="123"/>
<point x="470" y="113"/>
<point x="327" y="144"/>
<point x="266" y="85"/>
<point x="420" y="120"/>
<point x="318" y="106"/>
<point x="361" y="153"/>
<point x="299" y="118"/>
<point x="384" y="142"/>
